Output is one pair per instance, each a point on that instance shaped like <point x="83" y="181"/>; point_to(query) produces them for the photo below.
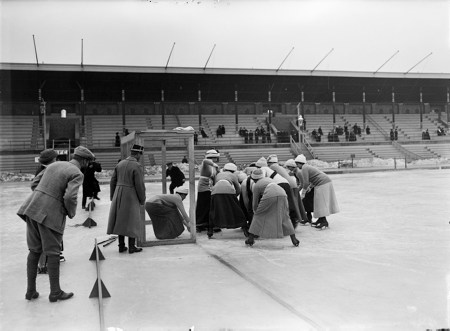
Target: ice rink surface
<point x="384" y="264"/>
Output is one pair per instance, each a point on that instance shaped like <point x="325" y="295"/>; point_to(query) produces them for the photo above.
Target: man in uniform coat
<point x="45" y="211"/>
<point x="127" y="196"/>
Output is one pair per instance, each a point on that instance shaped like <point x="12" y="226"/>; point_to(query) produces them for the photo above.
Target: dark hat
<point x="47" y="155"/>
<point x="169" y="163"/>
<point x="137" y="148"/>
<point x="84" y="153"/>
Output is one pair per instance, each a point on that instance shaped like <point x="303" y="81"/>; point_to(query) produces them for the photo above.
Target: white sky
<point x="247" y="33"/>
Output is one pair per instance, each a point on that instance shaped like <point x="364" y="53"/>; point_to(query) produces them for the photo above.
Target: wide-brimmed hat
<point x="212" y="153"/>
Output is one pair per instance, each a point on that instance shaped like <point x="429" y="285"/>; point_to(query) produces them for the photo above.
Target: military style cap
<point x="84" y="153"/>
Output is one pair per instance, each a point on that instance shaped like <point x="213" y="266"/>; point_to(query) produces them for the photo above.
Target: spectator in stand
<point x="257" y="135"/>
<point x="203" y="133"/>
<point x="223" y="129"/>
<point x="195" y="138"/>
<point x="391" y="134"/>
<point x="184" y="160"/>
<point x="125" y="132"/>
<point x="269" y="138"/>
<point x="319" y="130"/>
<point x="250" y="137"/>
<point x="117" y="142"/>
<point x="367" y="129"/>
<point x="219" y="132"/>
<point x="352" y="136"/>
<point x="176" y="176"/>
<point x="246" y="136"/>
<point x="396" y="133"/>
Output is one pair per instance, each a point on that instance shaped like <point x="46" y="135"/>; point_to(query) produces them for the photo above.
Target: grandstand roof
<point x="20" y="82"/>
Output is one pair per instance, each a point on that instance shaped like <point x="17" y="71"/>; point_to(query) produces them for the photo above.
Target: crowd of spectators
<point x="251" y="136"/>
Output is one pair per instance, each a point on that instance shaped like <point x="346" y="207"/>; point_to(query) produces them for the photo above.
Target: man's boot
<point x="133" y="248"/>
<point x="122" y="247"/>
<point x="32" y="265"/>
<point x="53" y="274"/>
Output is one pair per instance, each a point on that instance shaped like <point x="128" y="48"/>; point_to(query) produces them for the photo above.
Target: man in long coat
<point x="45" y="211"/>
<point x="128" y="197"/>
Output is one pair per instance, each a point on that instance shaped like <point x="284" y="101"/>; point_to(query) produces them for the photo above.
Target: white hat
<point x="230" y="166"/>
<point x="257" y="174"/>
<point x="300" y="159"/>
<point x="261" y="162"/>
<point x="212" y="153"/>
<point x="242" y="176"/>
<point x="182" y="190"/>
<point x="290" y="163"/>
<point x="272" y="159"/>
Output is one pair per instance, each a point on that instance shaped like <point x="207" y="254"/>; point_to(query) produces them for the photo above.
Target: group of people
<point x="426" y="135"/>
<point x="251" y="136"/>
<point x="440" y="131"/>
<point x="393" y="134"/>
<point x="220" y="131"/>
<point x="264" y="198"/>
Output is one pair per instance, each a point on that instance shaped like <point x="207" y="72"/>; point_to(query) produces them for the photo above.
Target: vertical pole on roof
<point x="199" y="107"/>
<point x="122" y="106"/>
<point x="421" y="109"/>
<point x="236" y="118"/>
<point x="163" y="111"/>
<point x="82" y="53"/>
<point x="334" y="108"/>
<point x="35" y="51"/>
<point x="393" y="108"/>
<point x="364" y="107"/>
<point x="448" y="105"/>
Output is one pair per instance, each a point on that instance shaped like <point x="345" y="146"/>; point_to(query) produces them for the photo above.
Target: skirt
<point x="226" y="212"/>
<point x="167" y="221"/>
<point x="325" y="202"/>
<point x="202" y="209"/>
<point x="271" y="219"/>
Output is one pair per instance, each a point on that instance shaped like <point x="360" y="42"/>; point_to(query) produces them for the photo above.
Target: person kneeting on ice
<point x="325" y="202"/>
<point x="271" y="211"/>
<point x="167" y="214"/>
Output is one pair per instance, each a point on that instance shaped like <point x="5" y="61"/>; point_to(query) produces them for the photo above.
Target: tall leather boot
<point x="122" y="247"/>
<point x="32" y="265"/>
<point x="132" y="244"/>
<point x="294" y="240"/>
<point x="53" y="274"/>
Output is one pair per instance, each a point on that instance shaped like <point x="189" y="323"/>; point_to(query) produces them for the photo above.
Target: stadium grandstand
<point x="62" y="106"/>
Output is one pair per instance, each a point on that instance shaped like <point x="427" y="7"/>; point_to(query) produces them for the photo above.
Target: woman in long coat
<point x="127" y="196"/>
<point x="271" y="211"/>
<point x="225" y="211"/>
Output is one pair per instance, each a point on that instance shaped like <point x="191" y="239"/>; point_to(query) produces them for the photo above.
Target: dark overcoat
<point x="128" y="197"/>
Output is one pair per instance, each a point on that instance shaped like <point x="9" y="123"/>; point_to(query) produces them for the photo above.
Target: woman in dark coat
<point x="91" y="186"/>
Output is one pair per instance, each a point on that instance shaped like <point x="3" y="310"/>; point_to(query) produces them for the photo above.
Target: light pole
<point x="44" y="121"/>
